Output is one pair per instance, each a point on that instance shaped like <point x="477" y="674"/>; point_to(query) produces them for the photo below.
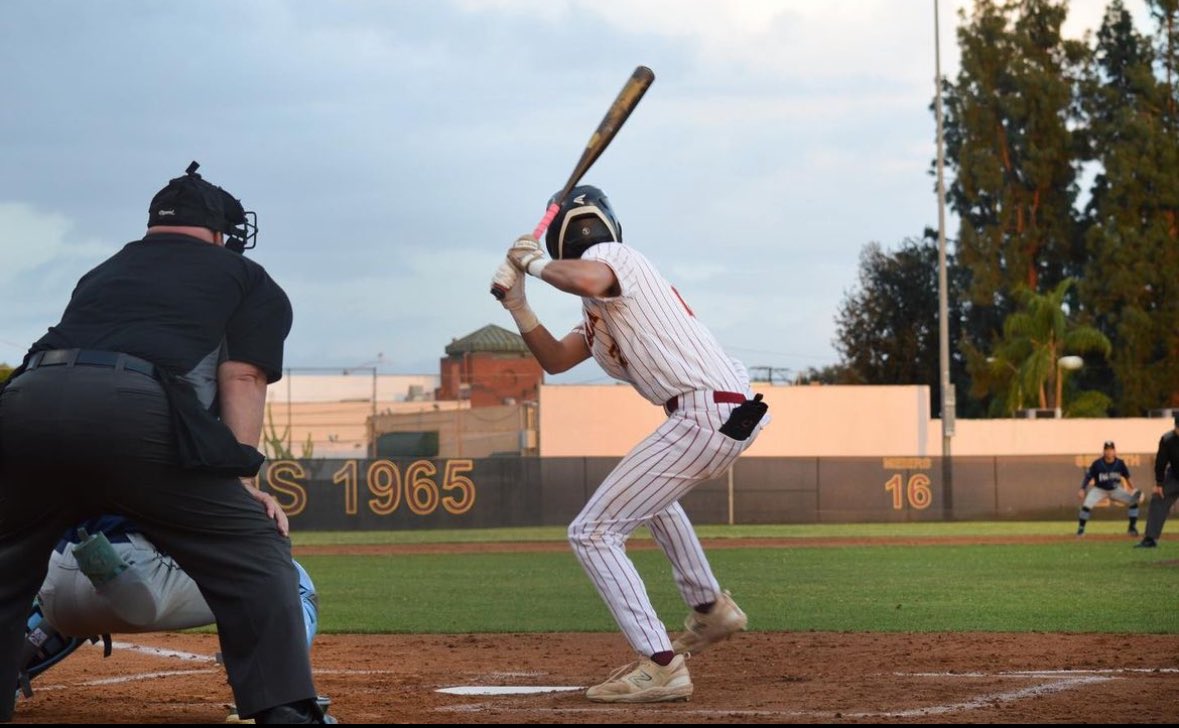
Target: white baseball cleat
<point x="701" y="630"/>
<point x="645" y="682"/>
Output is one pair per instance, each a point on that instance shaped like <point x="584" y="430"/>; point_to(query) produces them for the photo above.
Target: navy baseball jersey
<point x="1106" y="475"/>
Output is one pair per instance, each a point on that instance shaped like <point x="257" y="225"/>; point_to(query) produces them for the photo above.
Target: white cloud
<point x="42" y="262"/>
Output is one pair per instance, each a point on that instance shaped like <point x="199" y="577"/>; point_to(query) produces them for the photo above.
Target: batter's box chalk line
<point x="1050" y="682"/>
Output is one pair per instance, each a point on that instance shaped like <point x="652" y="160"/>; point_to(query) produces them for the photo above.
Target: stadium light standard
<point x="1069" y="363"/>
<point x="947" y="388"/>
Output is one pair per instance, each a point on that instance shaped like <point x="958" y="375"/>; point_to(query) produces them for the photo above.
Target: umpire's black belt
<point x="92" y="358"/>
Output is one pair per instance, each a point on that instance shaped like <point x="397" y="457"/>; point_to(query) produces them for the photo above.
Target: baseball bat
<point x="626" y="101"/>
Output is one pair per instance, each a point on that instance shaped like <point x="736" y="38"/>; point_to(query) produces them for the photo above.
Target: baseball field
<point x="887" y="623"/>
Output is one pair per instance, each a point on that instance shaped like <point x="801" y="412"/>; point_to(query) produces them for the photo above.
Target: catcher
<point x="106" y="577"/>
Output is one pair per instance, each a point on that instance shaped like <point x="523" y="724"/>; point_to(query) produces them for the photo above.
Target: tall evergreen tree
<point x="1012" y="151"/>
<point x="1130" y="287"/>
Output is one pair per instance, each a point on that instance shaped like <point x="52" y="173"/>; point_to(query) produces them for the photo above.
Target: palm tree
<point x="1026" y="360"/>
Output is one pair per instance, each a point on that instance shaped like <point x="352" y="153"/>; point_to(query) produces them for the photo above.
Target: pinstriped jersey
<point x="648" y="336"/>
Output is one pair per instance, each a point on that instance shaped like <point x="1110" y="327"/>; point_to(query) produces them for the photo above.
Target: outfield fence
<point x="372" y="494"/>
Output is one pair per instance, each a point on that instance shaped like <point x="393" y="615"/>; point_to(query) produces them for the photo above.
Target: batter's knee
<point x="585" y="536"/>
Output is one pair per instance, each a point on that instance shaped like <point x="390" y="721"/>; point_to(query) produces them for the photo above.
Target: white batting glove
<point x="511" y="282"/>
<point x="503" y="280"/>
<point x="527" y="256"/>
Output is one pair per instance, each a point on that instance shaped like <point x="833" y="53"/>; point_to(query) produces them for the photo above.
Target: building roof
<point x="489" y="339"/>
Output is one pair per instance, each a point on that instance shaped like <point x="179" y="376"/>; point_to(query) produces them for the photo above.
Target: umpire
<point x="1166" y="487"/>
<point x="146" y="401"/>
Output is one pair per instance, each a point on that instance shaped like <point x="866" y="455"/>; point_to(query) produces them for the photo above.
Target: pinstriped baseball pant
<point x="644" y="489"/>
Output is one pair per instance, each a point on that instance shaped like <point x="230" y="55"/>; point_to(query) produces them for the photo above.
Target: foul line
<point x="1040" y="673"/>
<point x="162" y="652"/>
<point x="984" y="701"/>
<point x="123" y="679"/>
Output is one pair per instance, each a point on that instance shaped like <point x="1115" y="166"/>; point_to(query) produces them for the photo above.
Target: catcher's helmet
<point x="191" y="201"/>
<point x="585" y="219"/>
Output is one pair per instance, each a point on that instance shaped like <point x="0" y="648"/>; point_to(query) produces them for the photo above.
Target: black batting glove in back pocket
<point x="744" y="418"/>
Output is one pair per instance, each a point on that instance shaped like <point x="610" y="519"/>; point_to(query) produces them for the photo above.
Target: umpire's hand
<point x="273" y="510"/>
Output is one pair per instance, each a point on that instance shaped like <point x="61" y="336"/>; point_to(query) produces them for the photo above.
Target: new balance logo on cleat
<point x="645" y="682"/>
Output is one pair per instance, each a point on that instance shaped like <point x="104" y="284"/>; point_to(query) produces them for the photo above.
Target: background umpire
<point x="146" y="401"/>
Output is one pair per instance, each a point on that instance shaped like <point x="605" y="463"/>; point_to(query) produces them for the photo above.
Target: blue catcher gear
<point x="310" y="600"/>
<point x="45" y="647"/>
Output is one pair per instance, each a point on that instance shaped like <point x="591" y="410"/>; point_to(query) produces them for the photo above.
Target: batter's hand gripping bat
<point x="626" y="101"/>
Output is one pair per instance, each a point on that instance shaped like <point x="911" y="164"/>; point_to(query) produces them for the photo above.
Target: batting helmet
<point x="585" y="219"/>
<point x="191" y="201"/>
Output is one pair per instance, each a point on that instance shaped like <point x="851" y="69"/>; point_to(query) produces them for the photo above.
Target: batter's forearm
<point x="555" y="356"/>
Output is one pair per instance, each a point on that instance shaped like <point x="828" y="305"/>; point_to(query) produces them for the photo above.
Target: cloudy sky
<point x="393" y="149"/>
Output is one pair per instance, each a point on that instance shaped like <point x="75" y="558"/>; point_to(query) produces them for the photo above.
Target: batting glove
<point x="511" y="282"/>
<point x="527" y="256"/>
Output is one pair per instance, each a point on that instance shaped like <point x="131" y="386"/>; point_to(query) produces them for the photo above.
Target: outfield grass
<point x="1066" y="586"/>
<point x="822" y="530"/>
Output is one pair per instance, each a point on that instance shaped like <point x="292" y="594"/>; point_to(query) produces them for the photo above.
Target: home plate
<point x="505" y="689"/>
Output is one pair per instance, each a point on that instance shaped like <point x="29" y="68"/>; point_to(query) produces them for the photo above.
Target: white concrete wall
<point x="297" y="386"/>
<point x="833" y="421"/>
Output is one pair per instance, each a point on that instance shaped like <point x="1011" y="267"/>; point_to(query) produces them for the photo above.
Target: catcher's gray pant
<point x="644" y="489"/>
<point x="152" y="595"/>
<point x="78" y="441"/>
<point x="1156" y="517"/>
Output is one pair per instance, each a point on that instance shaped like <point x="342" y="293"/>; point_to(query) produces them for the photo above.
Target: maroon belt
<point x="673" y="404"/>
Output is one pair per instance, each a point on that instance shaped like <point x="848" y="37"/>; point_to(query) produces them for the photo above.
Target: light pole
<point x="1070" y="363"/>
<point x="947" y="388"/>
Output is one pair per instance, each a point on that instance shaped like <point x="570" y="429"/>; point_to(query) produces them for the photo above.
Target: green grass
<point x="1061" y="586"/>
<point x="824" y="530"/>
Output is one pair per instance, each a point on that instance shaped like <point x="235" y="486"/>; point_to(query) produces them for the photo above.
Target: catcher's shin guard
<point x="45" y="647"/>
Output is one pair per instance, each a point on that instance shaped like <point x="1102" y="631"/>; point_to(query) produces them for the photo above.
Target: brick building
<point x="489" y="367"/>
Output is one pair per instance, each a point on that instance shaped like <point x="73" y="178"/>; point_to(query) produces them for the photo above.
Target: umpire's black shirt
<point x="181" y="303"/>
<point x="1168" y="454"/>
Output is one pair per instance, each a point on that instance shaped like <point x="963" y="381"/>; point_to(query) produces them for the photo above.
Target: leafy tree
<point x="1022" y="370"/>
<point x="1012" y="151"/>
<point x="887" y="329"/>
<point x="833" y="374"/>
<point x="1131" y="281"/>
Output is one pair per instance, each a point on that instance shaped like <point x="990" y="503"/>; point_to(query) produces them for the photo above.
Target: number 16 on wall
<point x="916" y="491"/>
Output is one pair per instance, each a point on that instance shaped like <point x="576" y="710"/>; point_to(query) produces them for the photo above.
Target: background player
<point x="1107" y="473"/>
<point x="640" y="331"/>
<point x="106" y="577"/>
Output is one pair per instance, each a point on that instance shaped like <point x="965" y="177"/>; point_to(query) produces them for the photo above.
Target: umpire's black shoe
<point x="302" y="712"/>
<point x="1146" y="543"/>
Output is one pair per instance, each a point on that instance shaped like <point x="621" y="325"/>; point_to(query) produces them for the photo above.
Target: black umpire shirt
<point x="1168" y="454"/>
<point x="175" y="301"/>
<point x="185" y="305"/>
